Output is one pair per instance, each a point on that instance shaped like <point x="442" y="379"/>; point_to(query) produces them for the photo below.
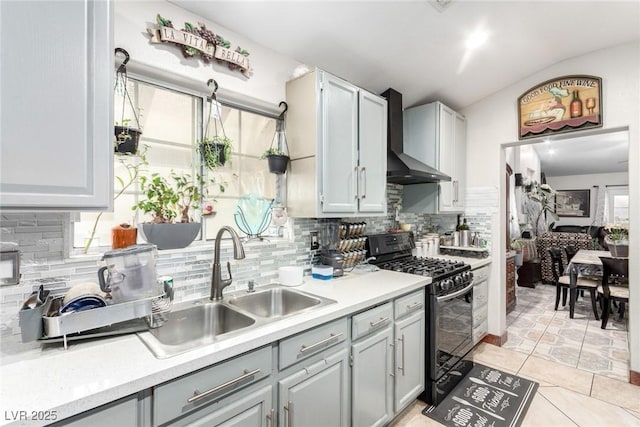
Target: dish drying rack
<point x="112" y="319"/>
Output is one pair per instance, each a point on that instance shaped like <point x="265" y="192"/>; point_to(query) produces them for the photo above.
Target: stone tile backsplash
<point x="43" y="239"/>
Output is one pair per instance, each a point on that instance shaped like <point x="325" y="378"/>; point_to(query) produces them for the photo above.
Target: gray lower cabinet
<point x="409" y="332"/>
<point x="249" y="408"/>
<point x="133" y="410"/>
<point x="316" y="394"/>
<point x="203" y="394"/>
<point x="372" y="380"/>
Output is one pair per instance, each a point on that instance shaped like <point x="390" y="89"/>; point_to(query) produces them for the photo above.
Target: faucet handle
<point x="227" y="282"/>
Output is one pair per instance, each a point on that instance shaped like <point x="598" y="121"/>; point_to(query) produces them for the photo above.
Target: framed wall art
<point x="573" y="203"/>
<point x="563" y="104"/>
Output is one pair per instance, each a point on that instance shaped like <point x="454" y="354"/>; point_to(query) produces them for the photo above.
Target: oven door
<point x="453" y="329"/>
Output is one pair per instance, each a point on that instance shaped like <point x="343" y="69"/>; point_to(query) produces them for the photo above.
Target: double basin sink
<point x="195" y="323"/>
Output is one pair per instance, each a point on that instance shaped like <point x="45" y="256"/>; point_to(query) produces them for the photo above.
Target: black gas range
<point x="393" y="252"/>
<point x="449" y="313"/>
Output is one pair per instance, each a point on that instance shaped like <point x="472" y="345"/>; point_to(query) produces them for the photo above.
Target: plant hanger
<point x="214" y="100"/>
<point x="121" y="81"/>
<point x="280" y="138"/>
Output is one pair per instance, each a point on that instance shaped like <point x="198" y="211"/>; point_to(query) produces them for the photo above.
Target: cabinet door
<point x="252" y="409"/>
<point x="447" y="123"/>
<point x="57" y="95"/>
<point x="372" y="381"/>
<point x="316" y="395"/>
<point x="459" y="161"/>
<point x="372" y="153"/>
<point x="339" y="145"/>
<point x="409" y="363"/>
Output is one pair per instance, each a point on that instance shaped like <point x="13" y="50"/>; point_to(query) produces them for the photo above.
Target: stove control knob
<point x="458" y="280"/>
<point x="446" y="284"/>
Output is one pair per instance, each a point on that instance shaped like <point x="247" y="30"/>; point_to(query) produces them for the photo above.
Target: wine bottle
<point x="458" y="223"/>
<point x="464" y="225"/>
<point x="575" y="108"/>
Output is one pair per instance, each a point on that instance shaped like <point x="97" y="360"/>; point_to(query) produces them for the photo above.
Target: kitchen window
<point x="171" y="121"/>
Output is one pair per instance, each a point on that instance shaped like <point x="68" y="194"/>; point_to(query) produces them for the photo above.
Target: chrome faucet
<point x="217" y="284"/>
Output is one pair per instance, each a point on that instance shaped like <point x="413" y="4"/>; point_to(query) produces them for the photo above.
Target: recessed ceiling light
<point x="552" y="152"/>
<point x="477" y="39"/>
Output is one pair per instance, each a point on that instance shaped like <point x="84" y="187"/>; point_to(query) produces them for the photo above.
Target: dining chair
<point x="571" y="251"/>
<point x="614" y="286"/>
<point x="563" y="282"/>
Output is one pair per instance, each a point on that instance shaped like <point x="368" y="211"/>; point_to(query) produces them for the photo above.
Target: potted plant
<point x="278" y="160"/>
<point x="127" y="136"/>
<point x="539" y="206"/>
<point x="617" y="239"/>
<point x="278" y="153"/>
<point x="517" y="245"/>
<point x="215" y="151"/>
<point x="169" y="201"/>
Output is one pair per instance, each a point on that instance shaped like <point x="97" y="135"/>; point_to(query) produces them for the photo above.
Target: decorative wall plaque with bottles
<point x="559" y="105"/>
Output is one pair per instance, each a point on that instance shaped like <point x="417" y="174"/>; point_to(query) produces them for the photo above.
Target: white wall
<point x="583" y="182"/>
<point x="266" y="88"/>
<point x="492" y="122"/>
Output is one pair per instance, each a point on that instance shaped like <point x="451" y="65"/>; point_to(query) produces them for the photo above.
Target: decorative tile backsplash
<point x="43" y="238"/>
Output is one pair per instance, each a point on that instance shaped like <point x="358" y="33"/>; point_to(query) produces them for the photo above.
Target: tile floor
<point x="567" y="396"/>
<point x="535" y="328"/>
<point x="582" y="369"/>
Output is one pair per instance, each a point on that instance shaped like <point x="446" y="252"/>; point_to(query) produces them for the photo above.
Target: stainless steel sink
<point x="193" y="325"/>
<point x="275" y="302"/>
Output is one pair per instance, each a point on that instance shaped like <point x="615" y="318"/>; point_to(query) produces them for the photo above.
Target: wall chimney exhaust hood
<point x="401" y="167"/>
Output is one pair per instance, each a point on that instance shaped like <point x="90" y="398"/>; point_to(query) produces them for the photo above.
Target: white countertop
<point x="90" y="374"/>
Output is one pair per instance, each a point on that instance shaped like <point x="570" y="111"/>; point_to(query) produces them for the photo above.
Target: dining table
<point x="584" y="263"/>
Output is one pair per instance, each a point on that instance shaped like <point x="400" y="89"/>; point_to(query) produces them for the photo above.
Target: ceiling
<point x="420" y="51"/>
<point x="603" y="153"/>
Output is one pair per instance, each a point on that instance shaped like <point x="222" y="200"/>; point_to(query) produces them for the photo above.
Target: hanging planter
<point x="278" y="152"/>
<point x="127" y="136"/>
<point x="215" y="151"/>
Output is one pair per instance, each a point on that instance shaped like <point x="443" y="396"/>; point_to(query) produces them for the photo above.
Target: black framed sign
<point x="573" y="203"/>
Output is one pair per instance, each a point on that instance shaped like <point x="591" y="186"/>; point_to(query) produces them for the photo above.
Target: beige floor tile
<point x="634" y="413"/>
<point x="541" y="412"/>
<point x="556" y="374"/>
<point x="412" y="417"/>
<point x="500" y="358"/>
<point x="587" y="411"/>
<point x="616" y="392"/>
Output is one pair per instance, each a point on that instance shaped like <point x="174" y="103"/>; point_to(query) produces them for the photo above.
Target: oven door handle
<point x="455" y="294"/>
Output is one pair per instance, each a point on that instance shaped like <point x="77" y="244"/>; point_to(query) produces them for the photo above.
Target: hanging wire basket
<point x="215" y="150"/>
<point x="127" y="134"/>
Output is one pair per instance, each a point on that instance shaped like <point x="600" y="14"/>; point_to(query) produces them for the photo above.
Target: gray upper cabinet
<point x="436" y="135"/>
<point x="56" y="135"/>
<point x="337" y="139"/>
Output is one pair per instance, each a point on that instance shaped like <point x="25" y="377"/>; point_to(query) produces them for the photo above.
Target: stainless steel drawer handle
<point x="332" y="337"/>
<point x="271" y="416"/>
<point x="288" y="409"/>
<point x="415" y="306"/>
<point x="402" y="354"/>
<point x="380" y="322"/>
<point x="197" y="395"/>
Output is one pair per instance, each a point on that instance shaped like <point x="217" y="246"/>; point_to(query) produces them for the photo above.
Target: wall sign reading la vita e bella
<point x="201" y="41"/>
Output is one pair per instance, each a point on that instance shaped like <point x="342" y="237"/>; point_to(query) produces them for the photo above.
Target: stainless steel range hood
<point x="401" y="167"/>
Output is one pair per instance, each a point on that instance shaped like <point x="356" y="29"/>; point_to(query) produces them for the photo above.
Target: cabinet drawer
<point x="170" y="400"/>
<point x="409" y="303"/>
<point x="371" y="320"/>
<point x="313" y="341"/>
<point x="480" y="274"/>
<point x="480" y="293"/>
